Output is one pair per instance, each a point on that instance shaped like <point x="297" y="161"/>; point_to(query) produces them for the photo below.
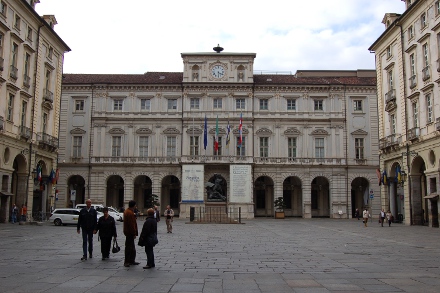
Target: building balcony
<point x="389" y="141"/>
<point x="426" y="74"/>
<point x="25" y="132"/>
<point x="390" y="96"/>
<point x="413" y="133"/>
<point x="13" y="72"/>
<point x="48" y="95"/>
<point x="26" y="81"/>
<point x="438" y="65"/>
<point x="47" y="140"/>
<point x="2" y="61"/>
<point x="437" y="124"/>
<point x="413" y="81"/>
<point x="360" y="161"/>
<point x="2" y="123"/>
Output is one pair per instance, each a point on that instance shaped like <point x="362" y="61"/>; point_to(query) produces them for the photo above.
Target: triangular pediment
<point x="390" y="106"/>
<point x="78" y="131"/>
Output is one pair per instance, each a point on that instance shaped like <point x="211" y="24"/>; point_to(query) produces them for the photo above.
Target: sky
<point x="138" y="36"/>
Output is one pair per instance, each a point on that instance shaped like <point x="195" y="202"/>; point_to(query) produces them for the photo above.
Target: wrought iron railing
<point x="221" y="214"/>
<point x="413" y="81"/>
<point x="13" y="72"/>
<point x="48" y="95"/>
<point x="389" y="140"/>
<point x="426" y="74"/>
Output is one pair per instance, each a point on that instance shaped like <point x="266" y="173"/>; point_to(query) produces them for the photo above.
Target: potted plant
<point x="279" y="207"/>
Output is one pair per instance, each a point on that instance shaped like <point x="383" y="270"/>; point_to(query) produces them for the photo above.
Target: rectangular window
<point x="117" y="105"/>
<point x="143" y="146"/>
<point x="10" y="107"/>
<point x="171" y="146"/>
<point x="410" y="32"/>
<point x="116" y="146"/>
<point x="3" y="8"/>
<point x="79" y="105"/>
<point x="195" y="103"/>
<point x="47" y="80"/>
<point x="14" y="54"/>
<point x="50" y="53"/>
<point x="17" y="22"/>
<point x="264" y="104"/>
<point x="145" y="104"/>
<point x="437" y="8"/>
<point x="415" y="110"/>
<point x="390" y="80"/>
<point x="359" y="148"/>
<point x="291" y="141"/>
<point x="389" y="52"/>
<point x="357" y="105"/>
<point x="319" y="105"/>
<point x="264" y="147"/>
<point x="27" y="64"/>
<point x="45" y="121"/>
<point x="1" y="45"/>
<point x="412" y="64"/>
<point x="319" y="147"/>
<point x="423" y="20"/>
<point x="429" y="108"/>
<point x="393" y="124"/>
<point x="241" y="150"/>
<point x="29" y="34"/>
<point x="218" y="103"/>
<point x="172" y="104"/>
<point x="425" y="50"/>
<point x="77" y="144"/>
<point x="291" y="104"/>
<point x="194" y="145"/>
<point x="23" y="113"/>
<point x="219" y="151"/>
<point x="240" y="104"/>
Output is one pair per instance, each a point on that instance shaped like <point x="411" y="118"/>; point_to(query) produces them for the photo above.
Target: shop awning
<point x="432" y="196"/>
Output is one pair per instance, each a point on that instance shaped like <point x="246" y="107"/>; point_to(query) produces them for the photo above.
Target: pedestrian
<point x="365" y="215"/>
<point x="156" y="214"/>
<point x="87" y="221"/>
<point x="389" y="218"/>
<point x="169" y="214"/>
<point x="382" y="216"/>
<point x="149" y="228"/>
<point x="14" y="214"/>
<point x="356" y="214"/>
<point x="107" y="230"/>
<point x="23" y="213"/>
<point x="130" y="232"/>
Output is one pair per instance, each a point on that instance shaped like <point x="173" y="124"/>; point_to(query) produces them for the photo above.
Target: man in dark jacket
<point x="107" y="230"/>
<point x="130" y="232"/>
<point x="150" y="227"/>
<point x="87" y="221"/>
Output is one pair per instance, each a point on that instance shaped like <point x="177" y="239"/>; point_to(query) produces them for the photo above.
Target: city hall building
<point x="221" y="134"/>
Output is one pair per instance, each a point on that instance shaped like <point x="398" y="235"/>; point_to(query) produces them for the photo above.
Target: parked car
<point x="99" y="207"/>
<point x="64" y="216"/>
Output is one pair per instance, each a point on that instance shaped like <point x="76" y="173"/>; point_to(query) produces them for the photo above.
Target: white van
<point x="64" y="216"/>
<point x="98" y="207"/>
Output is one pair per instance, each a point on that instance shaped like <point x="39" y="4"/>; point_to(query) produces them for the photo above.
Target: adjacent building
<point x="219" y="134"/>
<point x="31" y="66"/>
<point x="408" y="76"/>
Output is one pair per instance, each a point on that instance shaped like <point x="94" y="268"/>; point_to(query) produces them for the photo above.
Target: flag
<point x="384" y="178"/>
<point x="39" y="175"/>
<point x="216" y="135"/>
<point x="53" y="177"/>
<point x="205" y="134"/>
<point x="379" y="177"/>
<point x="398" y="174"/>
<point x="228" y="130"/>
<point x="240" y="130"/>
<point x="57" y="175"/>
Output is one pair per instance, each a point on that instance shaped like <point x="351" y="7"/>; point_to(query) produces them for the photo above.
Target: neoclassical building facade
<point x="408" y="76"/>
<point x="31" y="67"/>
<point x="309" y="137"/>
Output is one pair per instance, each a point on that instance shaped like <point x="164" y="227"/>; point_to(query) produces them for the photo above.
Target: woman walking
<point x="107" y="230"/>
<point x="149" y="229"/>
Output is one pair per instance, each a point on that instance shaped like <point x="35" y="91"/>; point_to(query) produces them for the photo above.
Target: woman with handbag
<point x="148" y="238"/>
<point x="107" y="230"/>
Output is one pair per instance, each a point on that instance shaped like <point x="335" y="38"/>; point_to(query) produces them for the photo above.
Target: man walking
<point x="87" y="221"/>
<point x="130" y="232"/>
<point x="14" y="214"/>
<point x="169" y="215"/>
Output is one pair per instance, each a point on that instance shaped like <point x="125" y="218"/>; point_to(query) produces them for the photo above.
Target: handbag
<point x="152" y="239"/>
<point x="141" y="241"/>
<point x="116" y="247"/>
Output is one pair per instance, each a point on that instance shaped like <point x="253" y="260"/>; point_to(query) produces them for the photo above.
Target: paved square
<point x="261" y="255"/>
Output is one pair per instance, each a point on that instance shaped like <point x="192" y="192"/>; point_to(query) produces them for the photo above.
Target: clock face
<point x="218" y="71"/>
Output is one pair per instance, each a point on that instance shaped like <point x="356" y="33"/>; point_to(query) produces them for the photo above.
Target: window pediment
<point x="236" y="131"/>
<point x="292" y="131"/>
<point x="171" y="131"/>
<point x="264" y="132"/>
<point x="144" y="130"/>
<point x="116" y="131"/>
<point x="319" y="132"/>
<point x="77" y="131"/>
<point x="389" y="66"/>
<point x="220" y="131"/>
<point x="391" y="106"/>
<point x="359" y="132"/>
<point x="414" y="96"/>
<point x="194" y="131"/>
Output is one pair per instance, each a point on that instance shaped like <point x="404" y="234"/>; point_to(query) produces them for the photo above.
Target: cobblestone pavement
<point x="261" y="255"/>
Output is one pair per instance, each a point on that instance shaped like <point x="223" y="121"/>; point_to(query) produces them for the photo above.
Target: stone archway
<point x="264" y="197"/>
<point x="76" y="190"/>
<point x="115" y="192"/>
<point x="171" y="194"/>
<point x="142" y="191"/>
<point x="418" y="202"/>
<point x="320" y="197"/>
<point x="359" y="195"/>
<point x="292" y="195"/>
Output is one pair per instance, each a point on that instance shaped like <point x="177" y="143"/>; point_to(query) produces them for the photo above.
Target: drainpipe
<point x="33" y="113"/>
<point x="406" y="125"/>
<point x="346" y="151"/>
<point x="89" y="175"/>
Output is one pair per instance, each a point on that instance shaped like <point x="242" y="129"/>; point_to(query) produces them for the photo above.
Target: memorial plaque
<point x="192" y="183"/>
<point x="241" y="184"/>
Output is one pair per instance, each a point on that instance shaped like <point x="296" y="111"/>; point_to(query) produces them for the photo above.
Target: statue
<point x="214" y="190"/>
<point x="195" y="76"/>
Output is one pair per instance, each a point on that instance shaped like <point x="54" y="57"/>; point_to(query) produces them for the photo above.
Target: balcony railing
<point x="2" y="61"/>
<point x="437" y="124"/>
<point x="438" y="65"/>
<point x="413" y="133"/>
<point x="26" y="80"/>
<point x="25" y="132"/>
<point x="426" y="74"/>
<point x="13" y="72"/>
<point x="361" y="161"/>
<point x="48" y="95"/>
<point x="413" y="81"/>
<point x="390" y="95"/>
<point x="46" y="139"/>
<point x="390" y="140"/>
<point x="2" y="123"/>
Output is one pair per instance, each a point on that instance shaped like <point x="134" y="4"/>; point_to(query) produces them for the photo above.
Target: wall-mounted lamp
<point x="403" y="177"/>
<point x="34" y="175"/>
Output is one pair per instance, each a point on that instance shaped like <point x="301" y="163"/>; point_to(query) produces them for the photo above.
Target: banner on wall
<point x="193" y="187"/>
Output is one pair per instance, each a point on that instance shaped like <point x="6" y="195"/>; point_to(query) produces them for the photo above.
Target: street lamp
<point x="403" y="177"/>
